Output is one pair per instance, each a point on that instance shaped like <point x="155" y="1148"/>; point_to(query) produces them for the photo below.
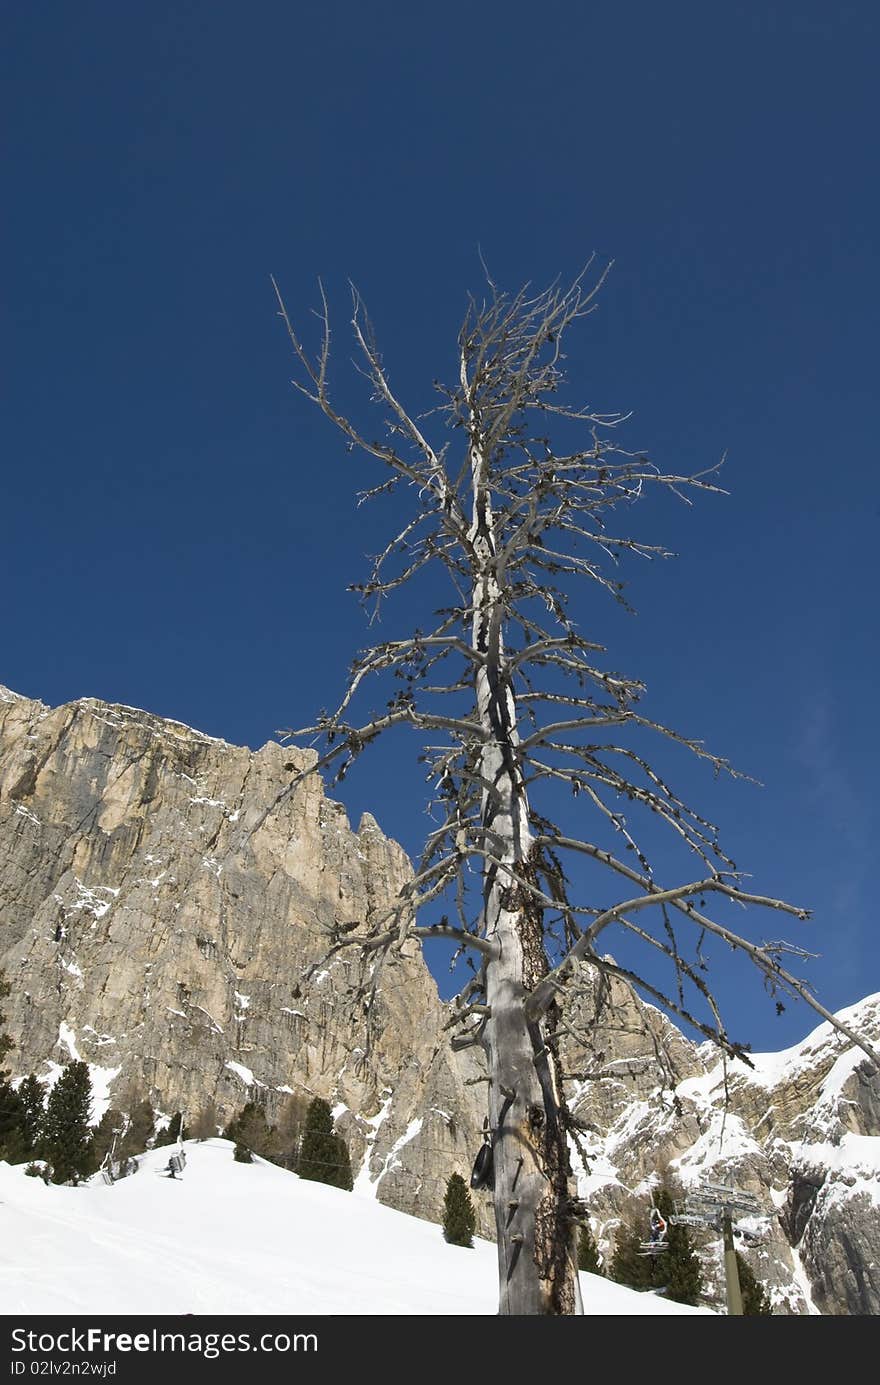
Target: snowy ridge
<point x="770" y="1069"/>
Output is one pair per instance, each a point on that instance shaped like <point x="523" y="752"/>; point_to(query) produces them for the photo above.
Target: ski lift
<point x="108" y="1169"/>
<point x="177" y="1163"/>
<point x="658" y="1242"/>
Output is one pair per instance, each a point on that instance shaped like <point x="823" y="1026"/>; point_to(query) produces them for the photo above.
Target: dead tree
<point x="520" y="501"/>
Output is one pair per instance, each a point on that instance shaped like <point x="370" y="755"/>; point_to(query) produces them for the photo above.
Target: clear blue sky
<point x="178" y="529"/>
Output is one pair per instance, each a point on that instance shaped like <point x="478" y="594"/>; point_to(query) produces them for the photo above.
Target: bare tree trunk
<point x="536" y="1260"/>
<point x="505" y="568"/>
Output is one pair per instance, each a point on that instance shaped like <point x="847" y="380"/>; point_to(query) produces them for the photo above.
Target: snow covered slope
<point x="242" y="1238"/>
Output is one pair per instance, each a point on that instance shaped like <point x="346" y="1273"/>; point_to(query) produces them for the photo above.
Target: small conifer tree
<point x="11" y="1107"/>
<point x="172" y="1132"/>
<point x="291" y="1123"/>
<point x="141" y="1127"/>
<point x="589" y="1258"/>
<point x="205" y="1125"/>
<point x="67" y="1139"/>
<point x="324" y="1156"/>
<point x="110" y="1127"/>
<point x="241" y="1154"/>
<point x="682" y="1272"/>
<point x="459" y="1217"/>
<point x="628" y="1265"/>
<point x="755" y="1299"/>
<point x="13" y="1143"/>
<point x="250" y="1127"/>
<point x="5" y="1040"/>
<point x="33" y="1099"/>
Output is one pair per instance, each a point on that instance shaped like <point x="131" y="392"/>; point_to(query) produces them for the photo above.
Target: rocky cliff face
<point x="146" y="929"/>
<point x="144" y="932"/>
<point x="800" y="1130"/>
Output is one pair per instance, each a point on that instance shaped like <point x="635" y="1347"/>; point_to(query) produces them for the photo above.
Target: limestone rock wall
<point x="144" y="932"/>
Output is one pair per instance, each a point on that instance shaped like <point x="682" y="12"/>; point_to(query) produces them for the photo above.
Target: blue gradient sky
<point x="178" y="528"/>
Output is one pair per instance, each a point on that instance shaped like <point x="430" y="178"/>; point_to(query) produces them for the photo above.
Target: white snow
<point x="67" y="1037"/>
<point x="26" y="812"/>
<point x="852" y="1164"/>
<point x="725" y="1137"/>
<point x="244" y="1238"/>
<point x="364" y="1184"/>
<point x="391" y="1159"/>
<point x="90" y="900"/>
<point x="218" y="1028"/>
<point x="245" y="1074"/>
<point x="802" y="1280"/>
<point x="242" y="1001"/>
<point x="770" y="1069"/>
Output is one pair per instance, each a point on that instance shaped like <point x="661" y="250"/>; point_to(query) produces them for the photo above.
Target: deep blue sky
<point x="178" y="529"/>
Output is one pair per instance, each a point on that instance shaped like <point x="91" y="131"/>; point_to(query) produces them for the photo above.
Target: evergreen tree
<point x="588" y="1252"/>
<point x="680" y="1270"/>
<point x="67" y="1140"/>
<point x="251" y="1129"/>
<point x="172" y="1132"/>
<point x="459" y="1217"/>
<point x="12" y="1140"/>
<point x="141" y="1125"/>
<point x="241" y="1154"/>
<point x="628" y="1266"/>
<point x="13" y="1143"/>
<point x="33" y="1099"/>
<point x="755" y="1299"/>
<point x="5" y="1041"/>
<point x="205" y="1125"/>
<point x="323" y="1156"/>
<point x="291" y="1123"/>
<point x="110" y="1127"/>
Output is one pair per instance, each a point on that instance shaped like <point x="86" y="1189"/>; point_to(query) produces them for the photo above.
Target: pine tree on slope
<point x="628" y="1266"/>
<point x="206" y="1123"/>
<point x="5" y="1041"/>
<point x="13" y="1140"/>
<point x="680" y="1269"/>
<point x="141" y="1125"/>
<point x="110" y="1127"/>
<point x="324" y="1156"/>
<point x="251" y="1129"/>
<point x="172" y="1132"/>
<point x="33" y="1098"/>
<point x="67" y="1139"/>
<point x="589" y="1259"/>
<point x="459" y="1217"/>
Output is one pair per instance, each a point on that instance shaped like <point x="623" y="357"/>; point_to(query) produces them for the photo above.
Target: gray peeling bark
<point x="537" y="1272"/>
<point x="535" y="1234"/>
